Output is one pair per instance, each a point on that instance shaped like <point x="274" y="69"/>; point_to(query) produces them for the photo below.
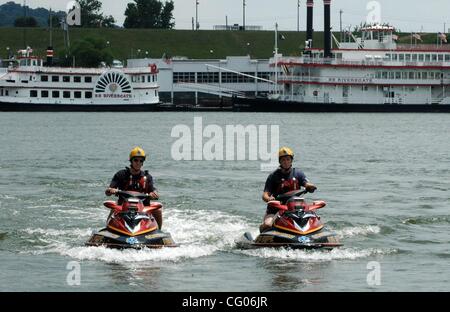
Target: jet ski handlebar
<point x="130" y="194"/>
<point x="284" y="197"/>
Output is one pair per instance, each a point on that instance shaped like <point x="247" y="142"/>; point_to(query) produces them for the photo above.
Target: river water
<point x="385" y="177"/>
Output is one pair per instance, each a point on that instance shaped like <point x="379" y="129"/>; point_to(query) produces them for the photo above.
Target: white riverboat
<point x="27" y="85"/>
<point x="371" y="73"/>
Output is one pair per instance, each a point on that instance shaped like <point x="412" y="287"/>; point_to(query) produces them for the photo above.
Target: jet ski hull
<point x="273" y="238"/>
<point x="155" y="239"/>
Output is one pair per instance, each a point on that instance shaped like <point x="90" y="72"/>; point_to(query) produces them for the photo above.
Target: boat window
<point x="391" y="75"/>
<point x="447" y="57"/>
<point x="207" y="77"/>
<point x="434" y="57"/>
<point x="1" y="92"/>
<point x="44" y="94"/>
<point x="66" y="78"/>
<point x="378" y="75"/>
<point x="394" y="57"/>
<point x="6" y="92"/>
<point x="77" y="94"/>
<point x="401" y="57"/>
<point x="88" y="95"/>
<point x="414" y="57"/>
<point x="345" y="91"/>
<point x="77" y="79"/>
<point x="408" y="57"/>
<point x="440" y="57"/>
<point x="55" y="78"/>
<point x="424" y="75"/>
<point x="55" y="94"/>
<point x="427" y="57"/>
<point x="44" y="78"/>
<point x="404" y="75"/>
<point x="149" y="78"/>
<point x="66" y="94"/>
<point x="142" y="78"/>
<point x="421" y="57"/>
<point x="398" y="75"/>
<point x="411" y="75"/>
<point x="33" y="93"/>
<point x="190" y="77"/>
<point x="88" y="79"/>
<point x="419" y="75"/>
<point x="385" y="75"/>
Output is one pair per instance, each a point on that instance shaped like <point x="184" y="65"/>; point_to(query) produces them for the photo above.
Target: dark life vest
<point x="289" y="184"/>
<point x="137" y="183"/>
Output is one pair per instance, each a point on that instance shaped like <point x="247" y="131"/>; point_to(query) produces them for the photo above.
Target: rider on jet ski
<point x="134" y="179"/>
<point x="284" y="179"/>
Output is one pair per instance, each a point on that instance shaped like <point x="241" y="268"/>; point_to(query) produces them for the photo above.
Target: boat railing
<point x="371" y="62"/>
<point x="357" y="80"/>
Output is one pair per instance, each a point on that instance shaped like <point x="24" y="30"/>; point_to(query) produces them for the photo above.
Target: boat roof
<point x="378" y="28"/>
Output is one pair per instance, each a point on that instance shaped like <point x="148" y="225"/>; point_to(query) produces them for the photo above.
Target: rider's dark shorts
<point x="271" y="210"/>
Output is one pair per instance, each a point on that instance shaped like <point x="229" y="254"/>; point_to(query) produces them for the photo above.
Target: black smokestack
<point x="309" y="23"/>
<point x="327" y="30"/>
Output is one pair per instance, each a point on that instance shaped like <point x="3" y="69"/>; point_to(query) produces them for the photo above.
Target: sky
<point x="405" y="15"/>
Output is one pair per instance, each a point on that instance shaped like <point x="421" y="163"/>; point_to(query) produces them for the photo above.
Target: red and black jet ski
<point x="296" y="226"/>
<point x="131" y="225"/>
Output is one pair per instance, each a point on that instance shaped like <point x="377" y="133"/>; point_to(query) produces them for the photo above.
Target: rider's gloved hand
<point x="153" y="195"/>
<point x="310" y="187"/>
<point x="111" y="191"/>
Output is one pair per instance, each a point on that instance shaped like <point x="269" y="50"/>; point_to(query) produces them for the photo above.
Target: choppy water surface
<point x="385" y="178"/>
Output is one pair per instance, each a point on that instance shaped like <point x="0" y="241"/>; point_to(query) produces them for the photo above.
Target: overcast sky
<point x="406" y="15"/>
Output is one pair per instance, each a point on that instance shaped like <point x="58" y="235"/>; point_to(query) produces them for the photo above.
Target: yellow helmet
<point x="137" y="152"/>
<point x="285" y="151"/>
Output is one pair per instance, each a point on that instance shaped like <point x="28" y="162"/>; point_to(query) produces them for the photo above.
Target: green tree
<point x="88" y="52"/>
<point x="149" y="14"/>
<point x="25" y="21"/>
<point x="167" y="16"/>
<point x="91" y="15"/>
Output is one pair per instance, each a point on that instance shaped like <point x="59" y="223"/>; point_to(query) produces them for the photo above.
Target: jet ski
<point x="131" y="225"/>
<point x="296" y="226"/>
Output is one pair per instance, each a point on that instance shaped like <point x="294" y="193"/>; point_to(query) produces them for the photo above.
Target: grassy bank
<point x="125" y="43"/>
